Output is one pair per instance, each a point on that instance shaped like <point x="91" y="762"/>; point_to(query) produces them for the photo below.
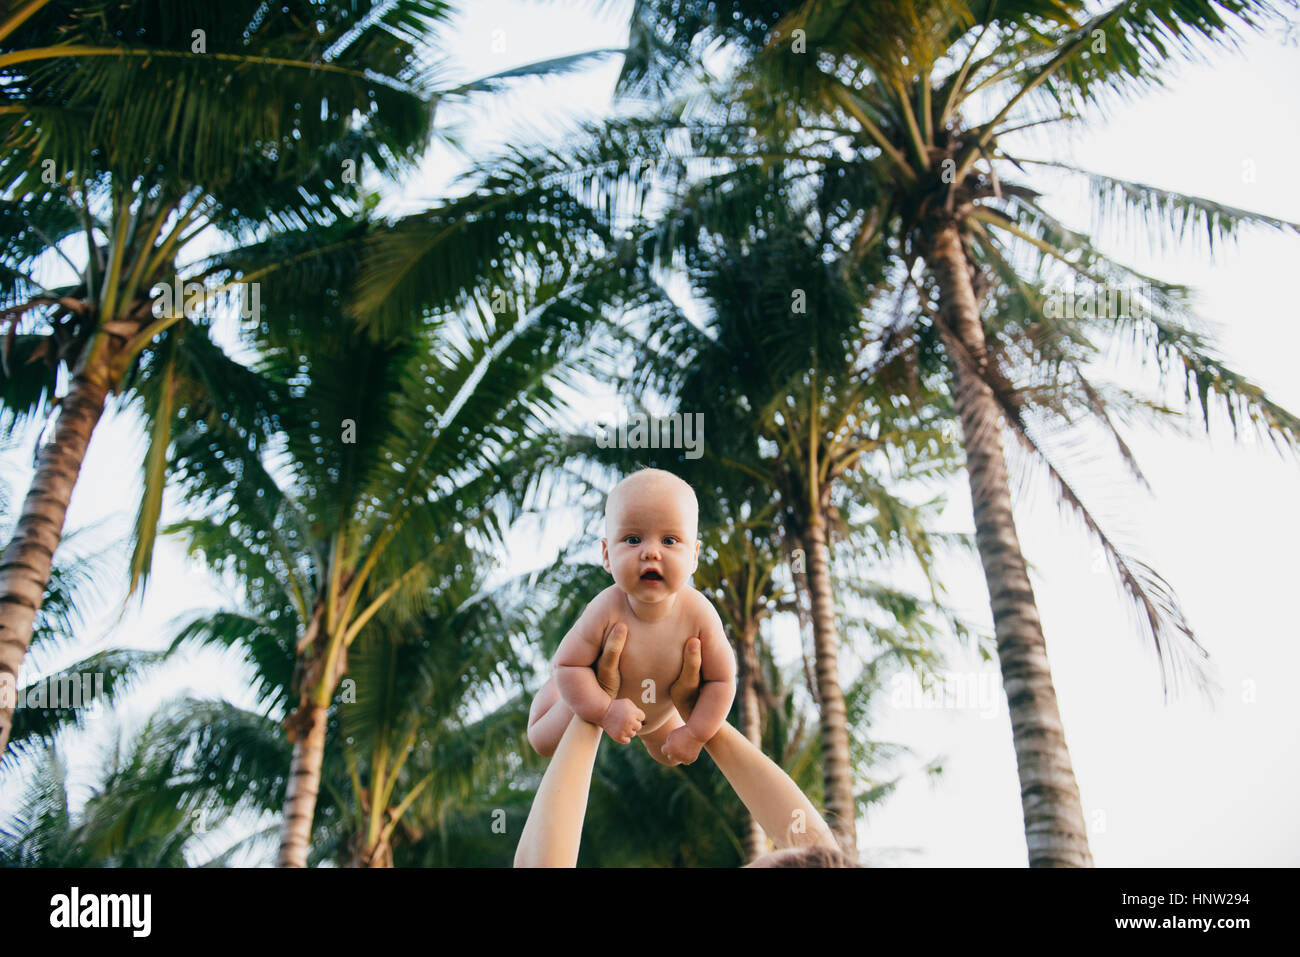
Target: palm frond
<point x="1163" y="213"/>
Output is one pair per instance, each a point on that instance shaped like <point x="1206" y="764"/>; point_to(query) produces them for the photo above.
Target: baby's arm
<point x="717" y="691"/>
<point x="576" y="681"/>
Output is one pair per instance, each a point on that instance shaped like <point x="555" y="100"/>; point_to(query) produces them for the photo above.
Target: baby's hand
<point x="682" y="746"/>
<point x="622" y="720"/>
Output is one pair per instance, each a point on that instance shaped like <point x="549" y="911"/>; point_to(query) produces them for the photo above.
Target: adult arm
<point x="775" y="801"/>
<point x="553" y="831"/>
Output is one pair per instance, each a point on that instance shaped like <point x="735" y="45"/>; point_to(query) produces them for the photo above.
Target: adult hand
<point x="622" y="718"/>
<point x="686" y="689"/>
<point x="607" y="675"/>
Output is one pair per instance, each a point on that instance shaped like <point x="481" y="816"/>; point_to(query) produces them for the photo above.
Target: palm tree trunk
<point x="304" y="783"/>
<point x="751" y="721"/>
<point x="363" y="855"/>
<point x="1049" y="794"/>
<point x="25" y="568"/>
<point x="837" y="769"/>
<point x="306" y="729"/>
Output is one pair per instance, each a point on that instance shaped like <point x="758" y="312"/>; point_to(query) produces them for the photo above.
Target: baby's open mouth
<point x="651" y="576"/>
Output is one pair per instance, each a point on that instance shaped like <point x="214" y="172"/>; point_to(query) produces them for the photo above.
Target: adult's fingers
<point x="607" y="666"/>
<point x="686" y="689"/>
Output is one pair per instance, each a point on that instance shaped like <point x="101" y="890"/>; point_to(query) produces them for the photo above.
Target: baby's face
<point x="651" y="547"/>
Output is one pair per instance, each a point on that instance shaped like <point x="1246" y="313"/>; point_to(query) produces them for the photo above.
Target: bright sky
<point x="1184" y="784"/>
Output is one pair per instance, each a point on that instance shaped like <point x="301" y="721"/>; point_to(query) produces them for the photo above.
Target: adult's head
<point x="817" y="855"/>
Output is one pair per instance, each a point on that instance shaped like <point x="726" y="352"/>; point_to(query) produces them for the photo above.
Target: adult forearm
<point x="581" y="691"/>
<point x="553" y="830"/>
<point x="776" y="802"/>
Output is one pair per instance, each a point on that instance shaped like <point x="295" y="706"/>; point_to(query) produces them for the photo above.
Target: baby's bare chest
<point x="652" y="659"/>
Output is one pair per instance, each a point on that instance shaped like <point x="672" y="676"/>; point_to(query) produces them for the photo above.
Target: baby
<point x="651" y="549"/>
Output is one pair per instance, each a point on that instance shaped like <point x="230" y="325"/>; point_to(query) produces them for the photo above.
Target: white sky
<point x="1188" y="784"/>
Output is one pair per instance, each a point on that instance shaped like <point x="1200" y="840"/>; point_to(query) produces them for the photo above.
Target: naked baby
<point x="651" y="548"/>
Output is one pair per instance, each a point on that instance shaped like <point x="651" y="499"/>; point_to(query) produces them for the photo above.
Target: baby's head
<point x="651" y="544"/>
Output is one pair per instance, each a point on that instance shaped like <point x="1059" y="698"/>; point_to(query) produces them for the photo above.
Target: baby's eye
<point x="632" y="539"/>
<point x="670" y="539"/>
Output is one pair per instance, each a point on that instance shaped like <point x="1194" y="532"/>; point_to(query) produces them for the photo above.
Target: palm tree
<point x="417" y="772"/>
<point x="908" y="109"/>
<point x="89" y="155"/>
<point x="753" y="581"/>
<point x="103" y="176"/>
<point x="394" y="449"/>
<point x="58" y="698"/>
<point x="161" y="792"/>
<point x="802" y="385"/>
<point x="420" y="741"/>
<point x="405" y="757"/>
<point x="450" y="781"/>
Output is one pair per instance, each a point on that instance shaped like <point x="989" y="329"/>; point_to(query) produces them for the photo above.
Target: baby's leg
<point x="547" y="719"/>
<point x="654" y="740"/>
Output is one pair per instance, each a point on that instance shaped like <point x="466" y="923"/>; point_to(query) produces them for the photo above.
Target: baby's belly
<point x="648" y="669"/>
